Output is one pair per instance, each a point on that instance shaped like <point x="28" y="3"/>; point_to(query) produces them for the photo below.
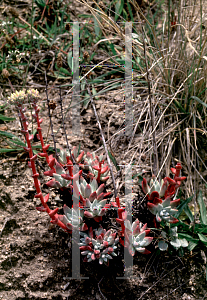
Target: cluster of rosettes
<point x="101" y="248"/>
<point x="84" y="175"/>
<point x="91" y="195"/>
<point x="160" y="196"/>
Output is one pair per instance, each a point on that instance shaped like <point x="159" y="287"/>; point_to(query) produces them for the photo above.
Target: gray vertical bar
<point x="128" y="259"/>
<point x="76" y="82"/>
<point x="128" y="80"/>
<point x="128" y="203"/>
<point x="76" y="234"/>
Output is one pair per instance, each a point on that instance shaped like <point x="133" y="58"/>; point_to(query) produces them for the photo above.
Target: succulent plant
<point x="73" y="218"/>
<point x="175" y="241"/>
<point x="92" y="191"/>
<point x="101" y="248"/>
<point x="95" y="210"/>
<point x="173" y="238"/>
<point x="135" y="237"/>
<point x="164" y="209"/>
<point x="58" y="181"/>
<point x="166" y="188"/>
<point x="96" y="166"/>
<point x="89" y="158"/>
<point x="77" y="155"/>
<point x="92" y="204"/>
<point x="155" y="189"/>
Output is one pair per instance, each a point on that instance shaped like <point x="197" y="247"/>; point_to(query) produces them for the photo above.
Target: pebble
<point x="31" y="189"/>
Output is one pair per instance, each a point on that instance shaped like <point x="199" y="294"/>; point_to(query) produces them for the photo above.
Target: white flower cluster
<point x="33" y="94"/>
<point x="17" y="97"/>
<point x="21" y="96"/>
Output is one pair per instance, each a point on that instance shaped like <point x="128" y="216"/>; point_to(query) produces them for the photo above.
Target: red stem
<point x="34" y="171"/>
<point x="99" y="172"/>
<point x="39" y="129"/>
<point x="120" y="215"/>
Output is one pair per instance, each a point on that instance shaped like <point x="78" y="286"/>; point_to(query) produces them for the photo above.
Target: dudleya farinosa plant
<point x="136" y="237"/>
<point x="160" y="196"/>
<point x="101" y="248"/>
<point x="73" y="218"/>
<point x="93" y="200"/>
<point x="164" y="210"/>
<point x="172" y="237"/>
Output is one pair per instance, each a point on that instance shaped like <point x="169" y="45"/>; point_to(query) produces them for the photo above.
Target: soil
<point x="36" y="256"/>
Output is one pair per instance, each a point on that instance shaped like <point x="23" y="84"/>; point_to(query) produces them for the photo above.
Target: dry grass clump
<point x="169" y="73"/>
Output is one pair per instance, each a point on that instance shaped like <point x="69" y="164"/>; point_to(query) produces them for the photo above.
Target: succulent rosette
<point x="155" y="189"/>
<point x="175" y="241"/>
<point x="95" y="210"/>
<point x="91" y="191"/>
<point x="96" y="167"/>
<point x="89" y="158"/>
<point x="166" y="188"/>
<point x="136" y="237"/>
<point x="164" y="210"/>
<point x="101" y="248"/>
<point x="58" y="181"/>
<point x="172" y="236"/>
<point x="73" y="218"/>
<point x="76" y="153"/>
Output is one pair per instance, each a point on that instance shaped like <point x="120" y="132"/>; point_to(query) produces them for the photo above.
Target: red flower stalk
<point x="34" y="97"/>
<point x="53" y="214"/>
